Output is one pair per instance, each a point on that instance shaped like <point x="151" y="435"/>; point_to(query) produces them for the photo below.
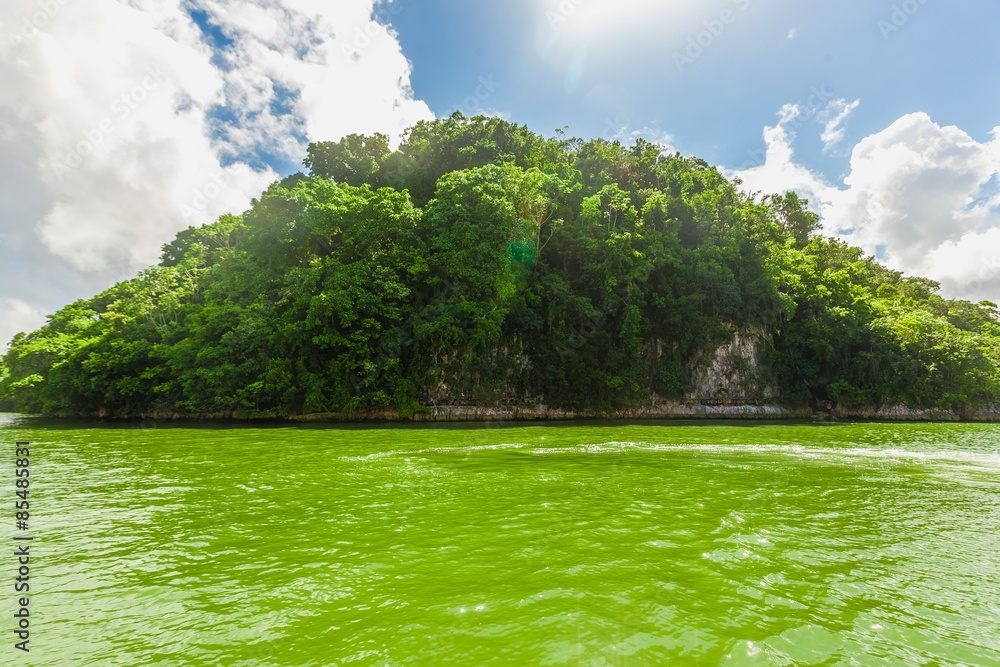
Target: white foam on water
<point x="889" y="454"/>
<point x="436" y="450"/>
<point x="835" y="454"/>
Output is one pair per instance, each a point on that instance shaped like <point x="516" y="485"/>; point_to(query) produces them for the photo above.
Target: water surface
<point x="845" y="544"/>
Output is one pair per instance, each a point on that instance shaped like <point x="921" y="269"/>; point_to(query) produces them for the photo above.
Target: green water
<point x="535" y="545"/>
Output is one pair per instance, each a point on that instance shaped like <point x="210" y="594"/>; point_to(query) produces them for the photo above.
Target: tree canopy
<point x="483" y="264"/>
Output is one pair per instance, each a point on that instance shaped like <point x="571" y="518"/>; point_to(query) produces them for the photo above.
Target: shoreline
<point x="666" y="412"/>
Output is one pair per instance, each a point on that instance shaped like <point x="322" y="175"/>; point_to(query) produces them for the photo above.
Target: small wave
<point x="990" y="460"/>
<point x="436" y="450"/>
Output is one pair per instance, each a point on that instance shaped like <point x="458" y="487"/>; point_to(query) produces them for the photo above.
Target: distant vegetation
<point x="483" y="264"/>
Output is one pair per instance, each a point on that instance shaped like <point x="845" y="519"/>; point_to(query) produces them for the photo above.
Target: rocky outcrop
<point x="735" y="374"/>
<point x="660" y="410"/>
<point x="469" y="413"/>
<point x="896" y="413"/>
<point x="730" y="382"/>
<point x="984" y="413"/>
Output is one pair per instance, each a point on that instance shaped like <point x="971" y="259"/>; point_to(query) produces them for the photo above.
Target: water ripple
<point x="599" y="545"/>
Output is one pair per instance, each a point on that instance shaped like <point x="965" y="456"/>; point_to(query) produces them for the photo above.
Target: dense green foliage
<point x="483" y="264"/>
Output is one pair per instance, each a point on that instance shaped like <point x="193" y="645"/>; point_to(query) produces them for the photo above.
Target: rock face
<point x="899" y="413"/>
<point x="662" y="410"/>
<point x="471" y="413"/>
<point x="983" y="413"/>
<point x="730" y="382"/>
<point x="734" y="374"/>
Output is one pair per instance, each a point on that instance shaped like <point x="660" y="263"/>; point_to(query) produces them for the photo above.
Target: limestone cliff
<point x="734" y="373"/>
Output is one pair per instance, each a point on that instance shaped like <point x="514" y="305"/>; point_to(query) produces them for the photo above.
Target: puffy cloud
<point x="340" y="65"/>
<point x="18" y="316"/>
<point x="969" y="266"/>
<point x="122" y="122"/>
<point x="911" y="185"/>
<point x="919" y="195"/>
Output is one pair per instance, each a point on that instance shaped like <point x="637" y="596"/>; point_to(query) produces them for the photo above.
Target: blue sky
<point x="882" y="113"/>
<point x="942" y="60"/>
<point x="125" y="121"/>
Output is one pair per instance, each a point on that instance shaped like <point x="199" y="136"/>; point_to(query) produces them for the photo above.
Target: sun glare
<point x="617" y="19"/>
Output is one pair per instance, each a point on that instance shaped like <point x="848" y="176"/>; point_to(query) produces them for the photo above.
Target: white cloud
<point x="346" y="70"/>
<point x="833" y="118"/>
<point x="793" y="33"/>
<point x="911" y="189"/>
<point x="779" y="172"/>
<point x="18" y="316"/>
<point x="917" y="193"/>
<point x="789" y="113"/>
<point x="111" y="135"/>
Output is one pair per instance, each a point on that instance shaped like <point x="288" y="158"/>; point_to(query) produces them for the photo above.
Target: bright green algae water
<point x="870" y="544"/>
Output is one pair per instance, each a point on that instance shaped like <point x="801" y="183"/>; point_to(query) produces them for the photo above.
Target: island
<point x="483" y="271"/>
